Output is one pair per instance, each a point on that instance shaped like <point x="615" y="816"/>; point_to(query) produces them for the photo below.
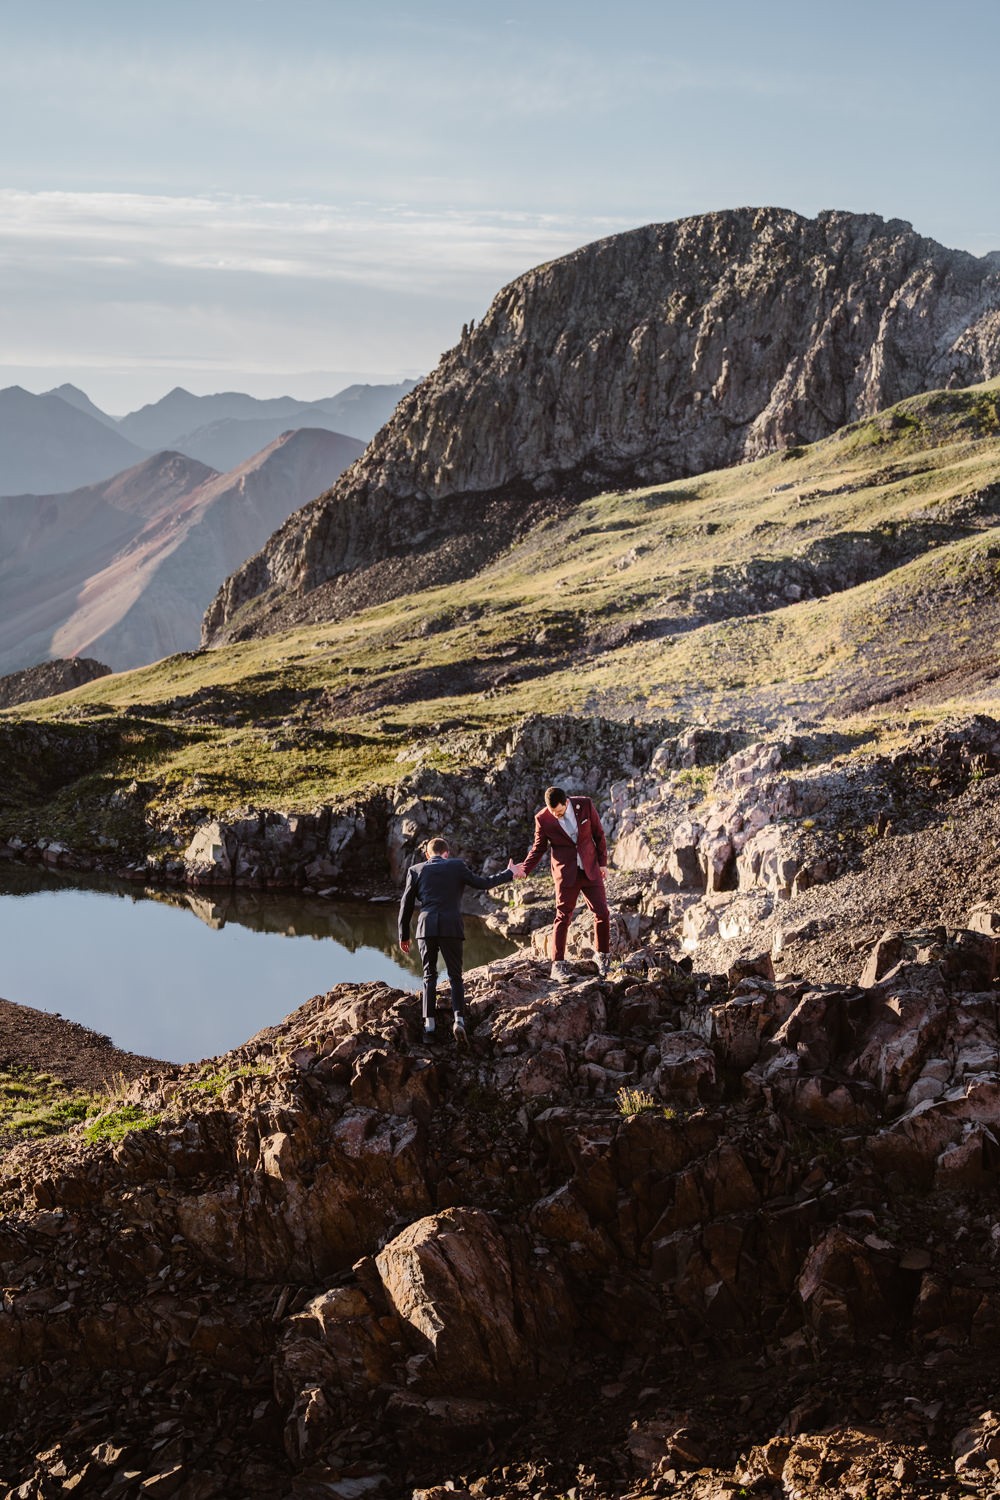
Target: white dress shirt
<point x="569" y="823"/>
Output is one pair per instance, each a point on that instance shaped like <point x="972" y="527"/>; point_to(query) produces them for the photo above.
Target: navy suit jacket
<point x="438" y="885"/>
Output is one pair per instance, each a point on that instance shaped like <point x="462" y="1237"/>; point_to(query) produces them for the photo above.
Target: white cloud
<point x="149" y="283"/>
<point x="396" y="248"/>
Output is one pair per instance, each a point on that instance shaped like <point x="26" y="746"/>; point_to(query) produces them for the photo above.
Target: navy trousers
<point x="450" y="949"/>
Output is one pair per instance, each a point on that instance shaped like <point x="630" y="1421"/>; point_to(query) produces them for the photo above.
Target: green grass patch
<point x="115" y="1124"/>
<point x="34" y="1105"/>
<point x="216" y="1083"/>
<point x="696" y="780"/>
<point x="985" y="412"/>
<point x="633" y="1101"/>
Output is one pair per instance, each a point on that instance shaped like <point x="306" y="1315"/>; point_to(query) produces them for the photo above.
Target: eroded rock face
<point x="482" y="1313"/>
<point x="379" y="834"/>
<point x="48" y="679"/>
<point x="650" y="355"/>
<point x="342" y="1258"/>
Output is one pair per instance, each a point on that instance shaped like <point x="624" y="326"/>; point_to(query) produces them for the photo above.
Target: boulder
<point x="775" y="860"/>
<point x="884" y="956"/>
<point x="685" y="1073"/>
<point x="660" y="1443"/>
<point x="983" y="923"/>
<point x="208" y="857"/>
<point x="336" y="1345"/>
<point x="736" y="1028"/>
<point x="984" y="918"/>
<point x="683" y="862"/>
<point x="632" y="851"/>
<point x="482" y="1315"/>
<point x="701" y="921"/>
<point x="545" y="1072"/>
<point x="974" y="1446"/>
<point x="841" y="1285"/>
<point x="905" y="1029"/>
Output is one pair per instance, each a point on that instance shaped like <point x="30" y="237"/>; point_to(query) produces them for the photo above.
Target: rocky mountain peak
<point x="73" y="396"/>
<point x="648" y="356"/>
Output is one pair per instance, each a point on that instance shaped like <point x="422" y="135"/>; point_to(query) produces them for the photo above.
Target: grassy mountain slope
<point x="827" y="582"/>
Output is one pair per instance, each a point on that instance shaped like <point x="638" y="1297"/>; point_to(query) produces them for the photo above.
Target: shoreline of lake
<point x="37" y="1041"/>
<point x="122" y="961"/>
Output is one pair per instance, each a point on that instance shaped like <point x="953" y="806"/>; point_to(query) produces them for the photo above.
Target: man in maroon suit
<point x="570" y="829"/>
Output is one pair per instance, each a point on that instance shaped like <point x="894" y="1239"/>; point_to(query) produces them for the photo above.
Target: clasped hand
<point x="516" y="870"/>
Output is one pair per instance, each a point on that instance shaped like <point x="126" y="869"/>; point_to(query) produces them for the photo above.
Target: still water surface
<point x="188" y="974"/>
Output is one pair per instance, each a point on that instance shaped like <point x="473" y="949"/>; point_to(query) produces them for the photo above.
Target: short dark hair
<point x="555" y="796"/>
<point x="437" y="846"/>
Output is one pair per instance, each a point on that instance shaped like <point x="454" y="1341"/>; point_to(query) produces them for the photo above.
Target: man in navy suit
<point x="438" y="885"/>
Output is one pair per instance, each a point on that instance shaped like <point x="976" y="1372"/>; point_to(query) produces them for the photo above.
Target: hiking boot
<point x="459" y="1032"/>
<point x="602" y="965"/>
<point x="560" y="972"/>
<point x="430" y="1032"/>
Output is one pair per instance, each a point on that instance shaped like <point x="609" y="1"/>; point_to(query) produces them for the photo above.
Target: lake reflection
<point x="130" y="961"/>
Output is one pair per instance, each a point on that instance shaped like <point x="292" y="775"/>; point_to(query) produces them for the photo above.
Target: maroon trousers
<point x="567" y="893"/>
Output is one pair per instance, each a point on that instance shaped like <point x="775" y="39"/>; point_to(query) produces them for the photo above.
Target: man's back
<point x="439" y="886"/>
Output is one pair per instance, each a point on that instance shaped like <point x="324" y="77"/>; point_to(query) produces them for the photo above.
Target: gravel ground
<point x="916" y="878"/>
<point x="46" y="1043"/>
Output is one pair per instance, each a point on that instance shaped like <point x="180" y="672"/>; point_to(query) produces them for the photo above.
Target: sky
<point x="284" y="196"/>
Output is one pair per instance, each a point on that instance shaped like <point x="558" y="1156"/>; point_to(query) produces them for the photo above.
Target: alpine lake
<point x="185" y="974"/>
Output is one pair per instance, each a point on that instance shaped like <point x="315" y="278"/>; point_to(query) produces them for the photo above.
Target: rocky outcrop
<point x="750" y="835"/>
<point x="345" y="843"/>
<point x="651" y="355"/>
<point x="907" y="832"/>
<point x="486" y="811"/>
<point x="48" y="679"/>
<point x="353" y="843"/>
<point x="337" y="1262"/>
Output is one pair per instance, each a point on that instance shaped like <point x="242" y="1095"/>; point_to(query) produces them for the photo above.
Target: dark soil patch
<point x="43" y="1042"/>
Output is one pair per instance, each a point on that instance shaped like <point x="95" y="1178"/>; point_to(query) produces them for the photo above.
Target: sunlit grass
<point x="300" y="719"/>
<point x="34" y="1105"/>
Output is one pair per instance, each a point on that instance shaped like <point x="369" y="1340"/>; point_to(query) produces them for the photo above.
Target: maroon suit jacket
<point x="591" y="845"/>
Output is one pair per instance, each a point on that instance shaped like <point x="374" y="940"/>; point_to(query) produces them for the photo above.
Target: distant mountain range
<point x="180" y="420"/>
<point x="61" y="441"/>
<point x="48" y="445"/>
<point x="123" y="569"/>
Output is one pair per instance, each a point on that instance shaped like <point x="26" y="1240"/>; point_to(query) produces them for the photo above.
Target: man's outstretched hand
<point x="516" y="870"/>
<point x="405" y="945"/>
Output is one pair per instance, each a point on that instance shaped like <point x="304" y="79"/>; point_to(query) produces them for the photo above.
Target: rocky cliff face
<point x="666" y="351"/>
<point x="48" y="679"/>
<point x="650" y="1237"/>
